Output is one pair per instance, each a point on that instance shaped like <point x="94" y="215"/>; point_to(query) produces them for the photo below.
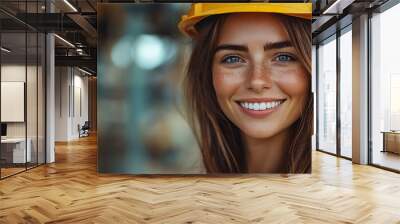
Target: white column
<point x="50" y="93"/>
<point x="360" y="90"/>
<point x="50" y="100"/>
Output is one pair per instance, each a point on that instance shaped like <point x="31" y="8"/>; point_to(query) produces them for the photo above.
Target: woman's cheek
<point x="226" y="82"/>
<point x="294" y="83"/>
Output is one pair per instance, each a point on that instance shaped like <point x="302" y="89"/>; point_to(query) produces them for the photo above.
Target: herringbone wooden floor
<point x="71" y="191"/>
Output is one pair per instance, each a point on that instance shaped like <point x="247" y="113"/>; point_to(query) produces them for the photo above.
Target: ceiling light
<point x="65" y="41"/>
<point x="337" y="7"/>
<point x="5" y="50"/>
<point x="331" y="7"/>
<point x="84" y="71"/>
<point x="70" y="5"/>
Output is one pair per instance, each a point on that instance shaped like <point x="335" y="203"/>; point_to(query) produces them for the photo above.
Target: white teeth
<point x="263" y="106"/>
<point x="260" y="106"/>
<point x="251" y="106"/>
<point x="256" y="106"/>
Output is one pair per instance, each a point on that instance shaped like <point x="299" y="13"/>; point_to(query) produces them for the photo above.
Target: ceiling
<point x="76" y="22"/>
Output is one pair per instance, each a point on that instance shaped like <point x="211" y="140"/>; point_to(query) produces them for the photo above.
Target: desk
<point x="16" y="147"/>
<point x="391" y="141"/>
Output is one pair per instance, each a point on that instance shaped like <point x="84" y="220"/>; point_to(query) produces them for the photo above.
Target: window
<point x="385" y="89"/>
<point x="346" y="93"/>
<point x="327" y="96"/>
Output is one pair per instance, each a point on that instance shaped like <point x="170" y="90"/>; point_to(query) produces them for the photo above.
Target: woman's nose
<point x="260" y="78"/>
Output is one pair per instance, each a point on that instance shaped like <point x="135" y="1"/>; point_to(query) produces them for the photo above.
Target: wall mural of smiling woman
<point x="216" y="88"/>
<point x="248" y="86"/>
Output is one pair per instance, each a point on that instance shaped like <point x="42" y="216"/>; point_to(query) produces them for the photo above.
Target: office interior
<point x="38" y="107"/>
<point x="49" y="84"/>
<point x="356" y="82"/>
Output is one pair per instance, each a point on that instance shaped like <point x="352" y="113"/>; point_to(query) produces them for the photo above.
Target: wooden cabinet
<point x="391" y="142"/>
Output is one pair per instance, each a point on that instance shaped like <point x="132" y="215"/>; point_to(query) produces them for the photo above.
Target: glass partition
<point x="31" y="100"/>
<point x="22" y="92"/>
<point x="327" y="96"/>
<point x="41" y="91"/>
<point x="14" y="152"/>
<point x="314" y="90"/>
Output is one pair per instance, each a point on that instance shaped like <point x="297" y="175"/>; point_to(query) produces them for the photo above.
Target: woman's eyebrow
<point x="267" y="46"/>
<point x="231" y="47"/>
<point x="277" y="45"/>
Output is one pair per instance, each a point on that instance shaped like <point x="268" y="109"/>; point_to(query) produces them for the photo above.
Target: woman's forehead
<point x="248" y="27"/>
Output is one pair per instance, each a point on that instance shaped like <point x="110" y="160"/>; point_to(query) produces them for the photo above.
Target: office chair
<point x="84" y="130"/>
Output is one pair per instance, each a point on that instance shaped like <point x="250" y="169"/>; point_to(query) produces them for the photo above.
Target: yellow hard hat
<point x="199" y="11"/>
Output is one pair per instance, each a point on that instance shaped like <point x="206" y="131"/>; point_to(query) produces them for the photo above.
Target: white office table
<point x="19" y="149"/>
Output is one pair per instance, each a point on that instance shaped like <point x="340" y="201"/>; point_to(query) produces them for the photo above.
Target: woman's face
<point x="260" y="84"/>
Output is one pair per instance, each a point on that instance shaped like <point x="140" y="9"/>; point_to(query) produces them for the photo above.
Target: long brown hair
<point x="219" y="139"/>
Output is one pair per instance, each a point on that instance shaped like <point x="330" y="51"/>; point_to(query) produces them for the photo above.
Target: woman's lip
<point x="258" y="113"/>
<point x="259" y="100"/>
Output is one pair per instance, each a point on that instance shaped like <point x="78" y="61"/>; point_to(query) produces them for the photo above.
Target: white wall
<point x="61" y="103"/>
<point x="12" y="101"/>
<point x="70" y="84"/>
<point x="79" y="117"/>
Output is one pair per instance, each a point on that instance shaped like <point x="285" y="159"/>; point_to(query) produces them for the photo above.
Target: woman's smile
<point x="260" y="107"/>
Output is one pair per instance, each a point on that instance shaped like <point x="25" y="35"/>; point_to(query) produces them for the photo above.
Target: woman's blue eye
<point x="284" y="58"/>
<point x="232" y="60"/>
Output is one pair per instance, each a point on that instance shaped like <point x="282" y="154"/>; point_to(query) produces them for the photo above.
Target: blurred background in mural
<point x="141" y="64"/>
